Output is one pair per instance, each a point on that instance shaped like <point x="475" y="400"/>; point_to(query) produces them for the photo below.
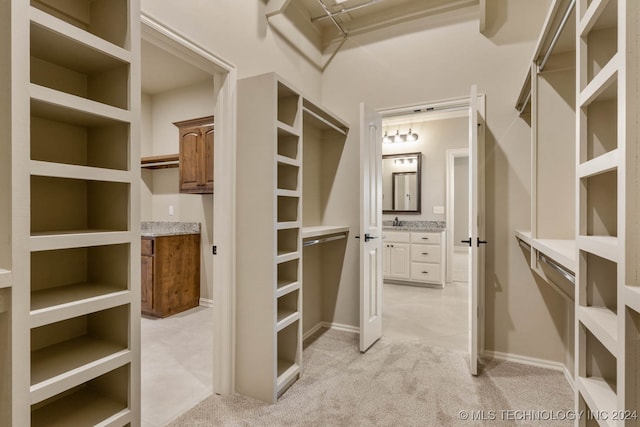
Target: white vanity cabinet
<point x="414" y="256"/>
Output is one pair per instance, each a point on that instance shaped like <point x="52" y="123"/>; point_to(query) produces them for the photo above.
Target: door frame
<point x="224" y="206"/>
<point x="446" y="108"/>
<point x="452" y="155"/>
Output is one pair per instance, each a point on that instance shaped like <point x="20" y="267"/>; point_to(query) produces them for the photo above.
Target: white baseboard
<point x="531" y="361"/>
<point x="336" y="326"/>
<point x="206" y="302"/>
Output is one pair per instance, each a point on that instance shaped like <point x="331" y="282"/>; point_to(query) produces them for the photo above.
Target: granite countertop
<point x="420" y="226"/>
<point x="167" y="228"/>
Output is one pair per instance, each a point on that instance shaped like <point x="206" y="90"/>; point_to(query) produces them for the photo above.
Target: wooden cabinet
<point x="170" y="274"/>
<point x="196" y="139"/>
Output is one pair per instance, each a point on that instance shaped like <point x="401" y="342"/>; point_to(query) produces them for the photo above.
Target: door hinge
<point x="215" y="249"/>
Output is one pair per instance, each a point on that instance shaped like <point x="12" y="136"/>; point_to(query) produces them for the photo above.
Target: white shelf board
<point x="287" y="160"/>
<point x="78" y="36"/>
<point x="288" y="193"/>
<point x="525" y="236"/>
<point x="286" y="318"/>
<point x="84" y="407"/>
<point x="60" y="170"/>
<point x="561" y="251"/>
<point x="285" y="128"/>
<point x="310" y="107"/>
<point x="603" y="246"/>
<point x="597" y="16"/>
<point x="65" y="365"/>
<point x="599" y="397"/>
<point x="598" y="165"/>
<point x="5" y="278"/>
<point x="44" y="241"/>
<point x="603" y="324"/>
<point x="285" y="287"/>
<point x="632" y="297"/>
<point x="287" y="225"/>
<point x="65" y="302"/>
<point x="65" y="100"/>
<point x="323" y="230"/>
<point x="602" y="84"/>
<point x="286" y="256"/>
<point x="287" y="371"/>
<point x="62" y="113"/>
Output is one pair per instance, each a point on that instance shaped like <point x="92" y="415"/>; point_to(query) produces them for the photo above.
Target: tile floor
<point x="177" y="351"/>
<point x="177" y="364"/>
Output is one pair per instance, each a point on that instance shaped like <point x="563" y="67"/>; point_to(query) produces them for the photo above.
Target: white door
<point x="476" y="228"/>
<point x="371" y="257"/>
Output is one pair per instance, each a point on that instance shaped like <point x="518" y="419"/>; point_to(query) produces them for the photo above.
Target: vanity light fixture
<point x="399" y="137"/>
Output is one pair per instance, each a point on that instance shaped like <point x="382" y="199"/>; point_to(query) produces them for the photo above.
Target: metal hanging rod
<point x="564" y="272"/>
<point x="556" y="36"/>
<point x="345" y="10"/>
<point x="323" y="120"/>
<point x="323" y="240"/>
<point x="524" y="104"/>
<point x="525" y="245"/>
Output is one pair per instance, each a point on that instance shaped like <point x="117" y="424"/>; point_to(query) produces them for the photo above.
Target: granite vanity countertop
<point x="168" y="228"/>
<point x="419" y="226"/>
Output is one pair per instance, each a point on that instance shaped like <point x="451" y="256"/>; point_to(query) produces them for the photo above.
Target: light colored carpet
<point x="393" y="384"/>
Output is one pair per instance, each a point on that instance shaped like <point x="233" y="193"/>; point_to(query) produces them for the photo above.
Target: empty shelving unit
<point x="607" y="203"/>
<point x="74" y="108"/>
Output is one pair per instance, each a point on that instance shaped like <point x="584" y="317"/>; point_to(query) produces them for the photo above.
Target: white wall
<point x="435" y="137"/>
<point x="443" y="59"/>
<point x="160" y="188"/>
<point x="460" y="200"/>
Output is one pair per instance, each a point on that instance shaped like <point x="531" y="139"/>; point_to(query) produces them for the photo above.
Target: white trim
<point x="334" y="326"/>
<point x="451" y="155"/>
<point x="224" y="207"/>
<point x="530" y="361"/>
<point x="206" y="302"/>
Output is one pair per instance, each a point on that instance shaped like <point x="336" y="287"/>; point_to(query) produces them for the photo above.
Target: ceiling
<point x="162" y="71"/>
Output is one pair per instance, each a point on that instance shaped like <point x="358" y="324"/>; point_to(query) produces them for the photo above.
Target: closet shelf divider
<point x="5" y="278"/>
<point x="601" y="164"/>
<point x="600" y="83"/>
<point x="604" y="246"/>
<point x="599" y="396"/>
<point x="288" y="129"/>
<point x="591" y="16"/>
<point x="61" y="170"/>
<point x="76" y="238"/>
<point x="603" y="324"/>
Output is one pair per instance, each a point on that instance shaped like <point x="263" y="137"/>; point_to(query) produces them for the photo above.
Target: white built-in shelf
<point x="287" y="160"/>
<point x="323" y="230"/>
<point x="62" y="113"/>
<point x="65" y="365"/>
<point x="285" y="287"/>
<point x="603" y="324"/>
<point x="601" y="164"/>
<point x="5" y="278"/>
<point x="599" y="15"/>
<point x="286" y="317"/>
<point x="604" y="246"/>
<point x="284" y="256"/>
<point x="61" y="170"/>
<point x="285" y="128"/>
<point x="50" y="240"/>
<point x="561" y="251"/>
<point x="325" y="119"/>
<point x="525" y="236"/>
<point x="602" y="86"/>
<point x="84" y="407"/>
<point x="599" y="397"/>
<point x="65" y="302"/>
<point x="287" y="193"/>
<point x="286" y="225"/>
<point x="286" y="370"/>
<point x="632" y="297"/>
<point x="72" y="41"/>
<point x="72" y="102"/>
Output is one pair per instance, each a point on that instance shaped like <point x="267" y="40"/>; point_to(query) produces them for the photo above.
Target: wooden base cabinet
<point x="170" y="274"/>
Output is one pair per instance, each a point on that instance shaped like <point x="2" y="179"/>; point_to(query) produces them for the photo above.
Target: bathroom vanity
<point x="414" y="254"/>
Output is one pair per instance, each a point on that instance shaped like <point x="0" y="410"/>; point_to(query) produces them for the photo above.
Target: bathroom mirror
<point x="401" y="183"/>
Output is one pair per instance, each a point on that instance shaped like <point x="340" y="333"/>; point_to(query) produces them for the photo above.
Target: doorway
<point x="168" y="55"/>
<point x="434" y="312"/>
<point x="457" y="214"/>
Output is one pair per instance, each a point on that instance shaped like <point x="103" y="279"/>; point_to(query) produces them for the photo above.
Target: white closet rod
<point x="322" y="240"/>
<point x="325" y="121"/>
<point x="556" y="36"/>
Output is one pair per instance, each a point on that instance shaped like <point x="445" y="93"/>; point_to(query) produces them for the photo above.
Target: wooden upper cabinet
<point x="196" y="155"/>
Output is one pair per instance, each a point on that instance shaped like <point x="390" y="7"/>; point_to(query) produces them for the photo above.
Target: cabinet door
<point x="207" y="159"/>
<point x="190" y="139"/>
<point x="147" y="284"/>
<point x="399" y="261"/>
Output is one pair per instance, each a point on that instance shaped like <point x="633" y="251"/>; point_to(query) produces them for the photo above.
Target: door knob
<point x="480" y="242"/>
<point x="468" y="241"/>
